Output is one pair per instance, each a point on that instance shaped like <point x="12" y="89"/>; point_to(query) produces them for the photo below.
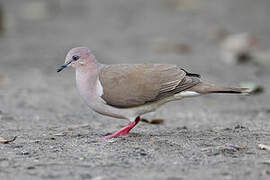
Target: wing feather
<point x="129" y="85"/>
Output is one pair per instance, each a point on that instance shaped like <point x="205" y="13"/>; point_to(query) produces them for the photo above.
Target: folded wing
<point x="130" y="85"/>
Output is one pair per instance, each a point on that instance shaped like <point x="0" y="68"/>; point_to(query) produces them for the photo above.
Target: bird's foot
<point x="125" y="130"/>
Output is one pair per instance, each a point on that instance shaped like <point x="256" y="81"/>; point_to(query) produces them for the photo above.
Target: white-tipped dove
<point x="127" y="91"/>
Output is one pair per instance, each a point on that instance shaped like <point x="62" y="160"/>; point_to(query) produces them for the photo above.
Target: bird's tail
<point x="205" y="88"/>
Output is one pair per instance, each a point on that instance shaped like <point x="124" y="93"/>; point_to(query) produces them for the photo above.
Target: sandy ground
<point x="58" y="137"/>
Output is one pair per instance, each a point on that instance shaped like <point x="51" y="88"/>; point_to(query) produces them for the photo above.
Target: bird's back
<point x="130" y="85"/>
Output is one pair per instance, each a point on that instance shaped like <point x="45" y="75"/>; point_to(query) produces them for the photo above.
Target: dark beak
<point x="64" y="66"/>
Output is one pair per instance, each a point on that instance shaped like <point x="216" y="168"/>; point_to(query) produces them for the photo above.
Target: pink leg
<point x="124" y="131"/>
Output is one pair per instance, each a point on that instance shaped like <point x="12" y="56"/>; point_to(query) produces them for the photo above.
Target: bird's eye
<point x="75" y="57"/>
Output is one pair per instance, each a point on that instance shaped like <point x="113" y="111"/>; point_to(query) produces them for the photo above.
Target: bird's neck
<point x="87" y="79"/>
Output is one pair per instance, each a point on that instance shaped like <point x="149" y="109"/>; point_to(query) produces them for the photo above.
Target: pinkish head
<point x="77" y="57"/>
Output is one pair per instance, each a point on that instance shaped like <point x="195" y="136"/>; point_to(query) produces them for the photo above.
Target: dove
<point x="127" y="91"/>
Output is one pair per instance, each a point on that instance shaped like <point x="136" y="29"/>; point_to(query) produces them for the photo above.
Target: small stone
<point x="143" y="153"/>
<point x="24" y="153"/>
<point x="30" y="167"/>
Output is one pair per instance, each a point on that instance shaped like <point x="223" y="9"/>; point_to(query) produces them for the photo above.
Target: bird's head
<point x="77" y="57"/>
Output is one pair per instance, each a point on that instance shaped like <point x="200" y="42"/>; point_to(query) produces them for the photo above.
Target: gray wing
<point x="130" y="85"/>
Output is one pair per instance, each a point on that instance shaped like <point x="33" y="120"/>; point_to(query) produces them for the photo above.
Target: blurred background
<point x="200" y="36"/>
<point x="37" y="34"/>
<point x="226" y="41"/>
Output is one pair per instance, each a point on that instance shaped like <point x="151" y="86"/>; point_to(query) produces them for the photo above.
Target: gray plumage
<point x="129" y="85"/>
